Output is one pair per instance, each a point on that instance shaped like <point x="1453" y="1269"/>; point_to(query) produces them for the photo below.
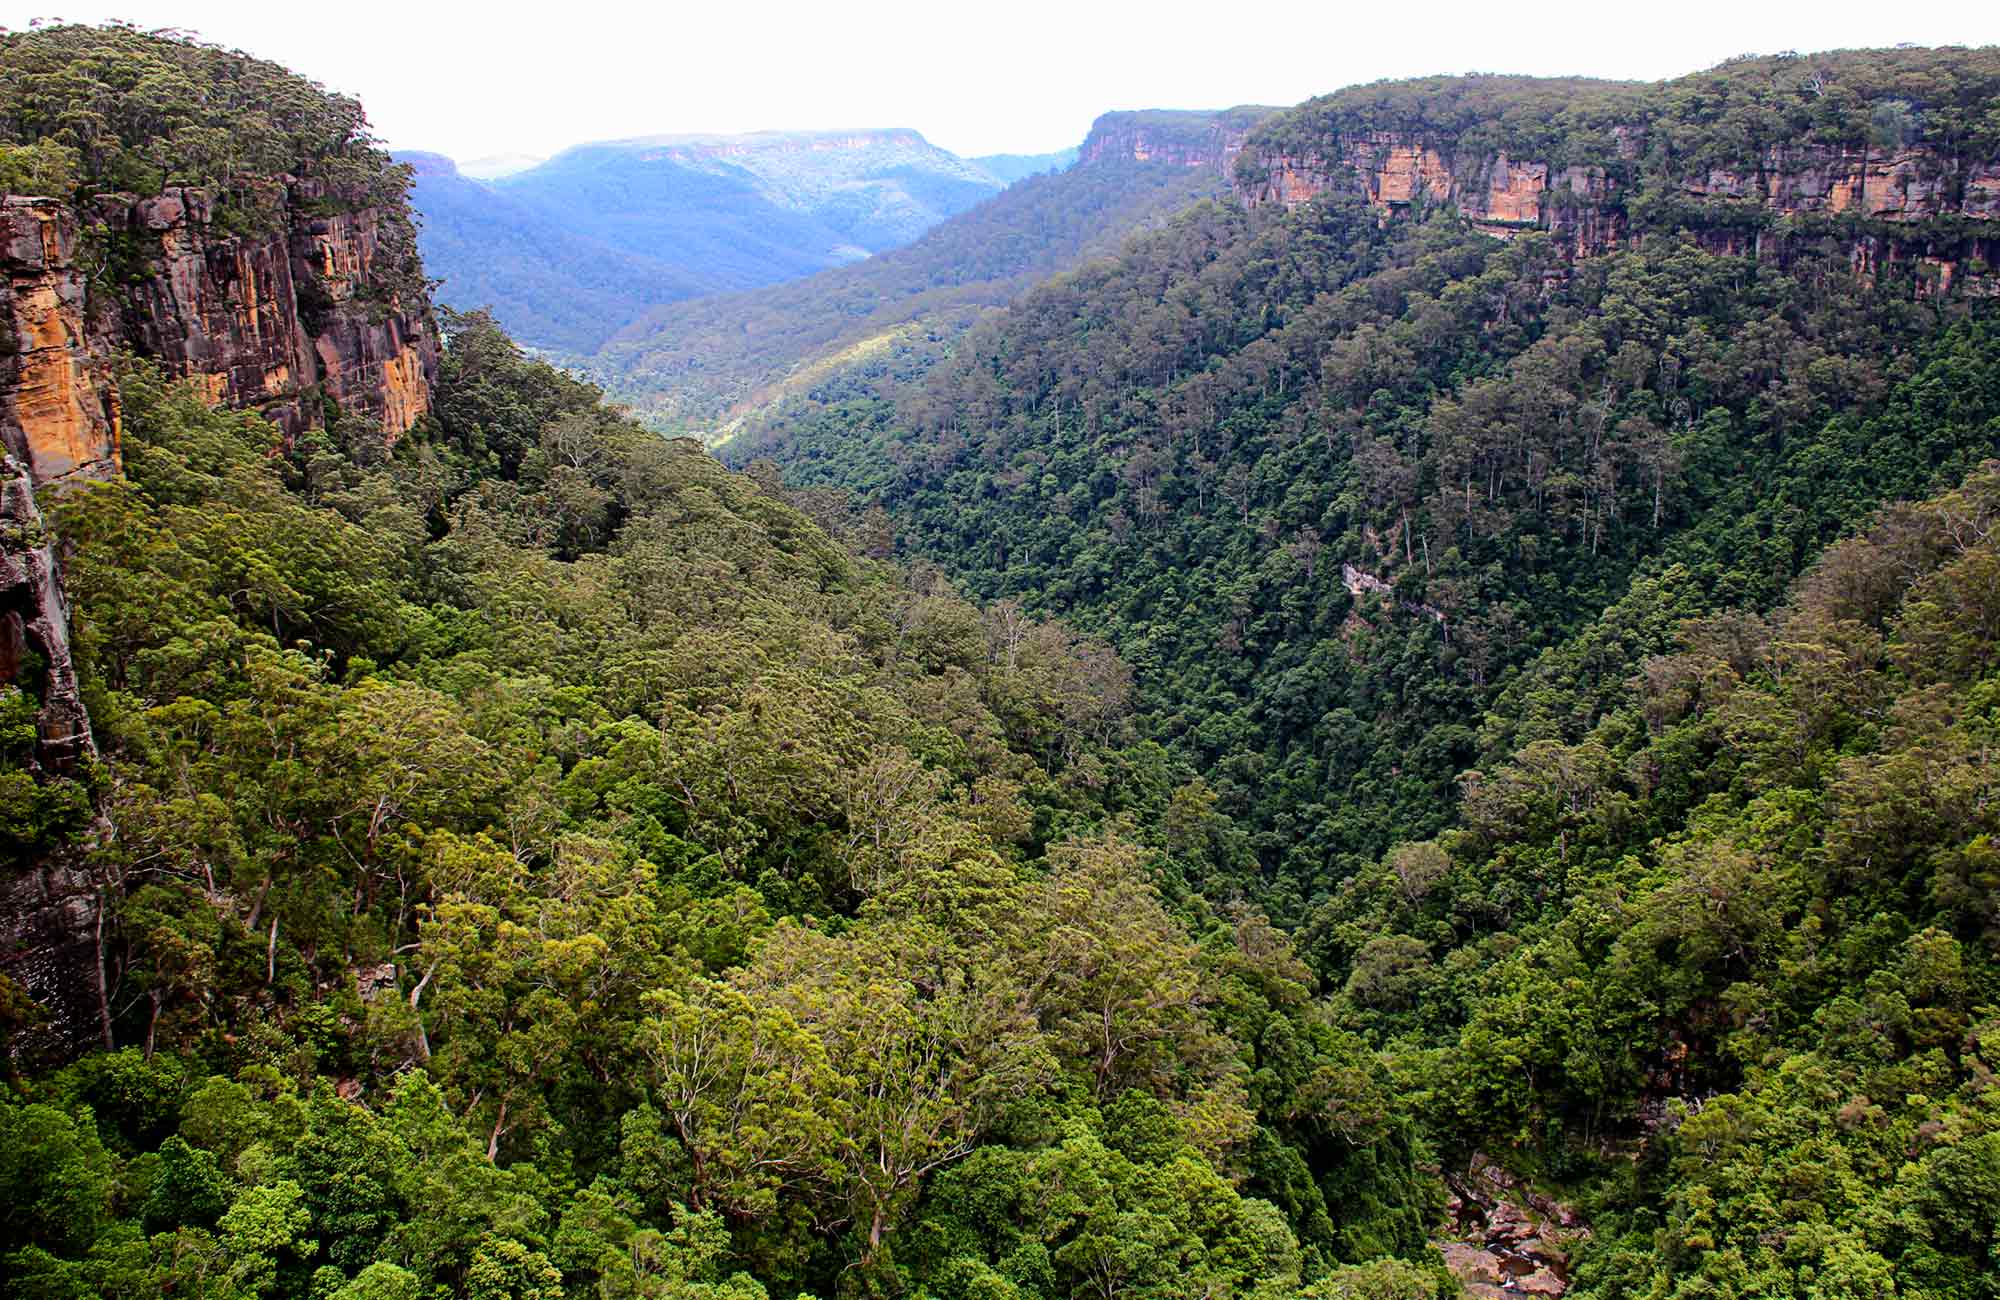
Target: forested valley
<point x="1279" y="749"/>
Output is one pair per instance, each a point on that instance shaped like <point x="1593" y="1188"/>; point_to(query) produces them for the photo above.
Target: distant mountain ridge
<point x="635" y="224"/>
<point x="564" y="290"/>
<point x="710" y="363"/>
<point x="1011" y="167"/>
<point x="494" y="166"/>
<point x="1183" y="137"/>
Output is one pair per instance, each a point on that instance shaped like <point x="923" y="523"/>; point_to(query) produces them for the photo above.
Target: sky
<point x="1019" y="76"/>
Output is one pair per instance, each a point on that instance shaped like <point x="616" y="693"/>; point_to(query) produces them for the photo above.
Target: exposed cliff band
<point x="1903" y="202"/>
<point x="274" y="322"/>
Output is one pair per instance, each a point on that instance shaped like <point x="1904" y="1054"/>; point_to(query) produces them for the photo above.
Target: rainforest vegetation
<point x="1137" y="807"/>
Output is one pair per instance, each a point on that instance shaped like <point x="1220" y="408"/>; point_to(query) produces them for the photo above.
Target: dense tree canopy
<point x="1728" y="116"/>
<point x="1359" y="702"/>
<point x="535" y="857"/>
<point x="90" y="109"/>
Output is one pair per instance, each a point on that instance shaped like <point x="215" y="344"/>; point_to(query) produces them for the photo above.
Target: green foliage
<point x="1726" y="117"/>
<point x="535" y="861"/>
<point x="46" y="168"/>
<point x="90" y="109"/>
<point x="1634" y="820"/>
<point x="539" y="861"/>
<point x="1330" y="485"/>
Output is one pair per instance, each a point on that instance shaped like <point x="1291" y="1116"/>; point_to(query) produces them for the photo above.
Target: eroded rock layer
<point x="58" y="409"/>
<point x="274" y="322"/>
<point x="1895" y="191"/>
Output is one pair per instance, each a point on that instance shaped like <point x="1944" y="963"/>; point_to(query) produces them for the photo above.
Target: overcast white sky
<point x="1018" y="76"/>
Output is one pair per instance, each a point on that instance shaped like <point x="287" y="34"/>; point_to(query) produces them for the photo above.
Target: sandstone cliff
<point x="58" y="411"/>
<point x="1182" y="138"/>
<point x="1931" y="204"/>
<point x="325" y="304"/>
<point x="329" y="305"/>
<point x="58" y="419"/>
<point x="1503" y="195"/>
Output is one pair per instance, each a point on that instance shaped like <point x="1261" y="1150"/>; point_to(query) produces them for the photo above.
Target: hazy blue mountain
<point x="494" y="166"/>
<point x="558" y="287"/>
<point x="1011" y="167"/>
<point x="571" y="249"/>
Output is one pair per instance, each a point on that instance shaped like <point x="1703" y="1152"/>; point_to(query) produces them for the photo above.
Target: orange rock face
<point x="58" y="420"/>
<point x="1502" y="196"/>
<point x="268" y="323"/>
<point x="58" y="409"/>
<point x="1405" y="171"/>
<point x="1513" y="194"/>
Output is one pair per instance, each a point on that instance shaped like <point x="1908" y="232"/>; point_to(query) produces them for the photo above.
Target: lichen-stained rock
<point x="274" y="321"/>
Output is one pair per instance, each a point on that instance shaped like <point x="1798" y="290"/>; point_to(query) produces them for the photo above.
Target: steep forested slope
<point x="1330" y="481"/>
<point x="519" y="857"/>
<point x="1725" y="963"/>
<point x="536" y="839"/>
<point x="1497" y="588"/>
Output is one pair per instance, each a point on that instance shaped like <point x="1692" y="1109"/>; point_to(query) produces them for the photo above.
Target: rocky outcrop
<point x="327" y="305"/>
<point x="49" y="908"/>
<point x="58" y="421"/>
<point x="1736" y="211"/>
<point x="58" y="408"/>
<point x="1359" y="582"/>
<point x="1179" y="138"/>
<point x="1505" y="1239"/>
<point x="1902" y="185"/>
<point x="48" y="945"/>
<point x="275" y="323"/>
<point x="1497" y="194"/>
<point x="34" y="625"/>
<point x="1393" y="171"/>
